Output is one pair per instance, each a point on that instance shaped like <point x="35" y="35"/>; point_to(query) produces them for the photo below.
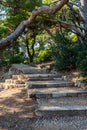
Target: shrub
<point x="44" y="55"/>
<point x="17" y="58"/>
<point x="82" y="60"/>
<point x="64" y="53"/>
<point x="3" y="62"/>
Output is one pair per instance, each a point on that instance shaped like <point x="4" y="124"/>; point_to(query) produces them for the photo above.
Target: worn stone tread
<point x="58" y="94"/>
<point x="61" y="111"/>
<point x="11" y="81"/>
<point x="64" y="102"/>
<point x="42" y="84"/>
<point x="7" y="86"/>
<point x="57" y="108"/>
<point x="27" y="76"/>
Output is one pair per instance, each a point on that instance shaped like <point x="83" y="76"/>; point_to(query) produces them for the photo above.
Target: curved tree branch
<point x="83" y="12"/>
<point x="41" y="10"/>
<point x="47" y="30"/>
<point x="70" y="4"/>
<point x="72" y="27"/>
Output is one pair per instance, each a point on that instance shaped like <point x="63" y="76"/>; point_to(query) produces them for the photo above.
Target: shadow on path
<point x="16" y="110"/>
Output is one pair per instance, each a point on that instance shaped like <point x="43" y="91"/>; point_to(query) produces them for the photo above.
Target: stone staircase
<point x="25" y="73"/>
<point x="56" y="96"/>
<point x="59" y="105"/>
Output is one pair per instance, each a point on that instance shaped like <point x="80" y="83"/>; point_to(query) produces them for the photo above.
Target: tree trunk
<point x="27" y="45"/>
<point x="31" y="55"/>
<point x="31" y="59"/>
<point x="28" y="51"/>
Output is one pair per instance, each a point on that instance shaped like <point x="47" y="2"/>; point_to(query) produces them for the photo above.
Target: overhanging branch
<point x="48" y="31"/>
<point x="72" y="27"/>
<point x="70" y="4"/>
<point x="41" y="10"/>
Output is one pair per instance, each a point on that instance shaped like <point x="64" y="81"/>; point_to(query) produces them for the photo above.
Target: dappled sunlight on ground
<point x="15" y="107"/>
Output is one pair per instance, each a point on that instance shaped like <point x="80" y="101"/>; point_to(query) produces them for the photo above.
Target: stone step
<point x="63" y="102"/>
<point x="9" y="86"/>
<point x="33" y="76"/>
<point x="48" y="84"/>
<point x="38" y="79"/>
<point x="26" y="69"/>
<point x="44" y="79"/>
<point x="33" y="70"/>
<point x="11" y="81"/>
<point x="62" y="111"/>
<point x="19" y="81"/>
<point x="38" y="94"/>
<point x="70" y="106"/>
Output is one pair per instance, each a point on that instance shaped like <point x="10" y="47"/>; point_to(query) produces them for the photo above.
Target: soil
<point x="16" y="110"/>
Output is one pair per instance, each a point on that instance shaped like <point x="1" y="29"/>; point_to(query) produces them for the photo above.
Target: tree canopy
<point x="79" y="8"/>
<point x="44" y="30"/>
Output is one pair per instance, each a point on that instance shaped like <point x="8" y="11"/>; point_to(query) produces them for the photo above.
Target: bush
<point x="44" y="55"/>
<point x="26" y="61"/>
<point x="82" y="60"/>
<point x="64" y="53"/>
<point x="17" y="58"/>
<point x="3" y="62"/>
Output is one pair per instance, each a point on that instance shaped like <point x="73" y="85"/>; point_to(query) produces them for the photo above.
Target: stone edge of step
<point x="31" y="85"/>
<point x="58" y="111"/>
<point x="9" y="86"/>
<point x="14" y="81"/>
<point x="57" y="108"/>
<point x="39" y="95"/>
<point x="36" y="75"/>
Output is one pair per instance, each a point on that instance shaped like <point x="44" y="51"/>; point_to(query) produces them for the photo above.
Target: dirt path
<point x="16" y="110"/>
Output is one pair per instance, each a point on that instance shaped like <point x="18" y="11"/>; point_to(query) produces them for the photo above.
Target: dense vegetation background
<point x="60" y="37"/>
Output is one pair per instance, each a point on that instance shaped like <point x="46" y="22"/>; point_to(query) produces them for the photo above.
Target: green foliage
<point x="3" y="31"/>
<point x="25" y="61"/>
<point x="68" y="54"/>
<point x="3" y="62"/>
<point x="64" y="52"/>
<point x="17" y="58"/>
<point x="44" y="55"/>
<point x="47" y="1"/>
<point x="82" y="60"/>
<point x="17" y="11"/>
